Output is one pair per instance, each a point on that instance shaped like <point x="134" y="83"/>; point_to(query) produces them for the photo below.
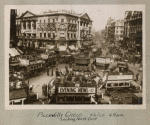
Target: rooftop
<point x="50" y="12"/>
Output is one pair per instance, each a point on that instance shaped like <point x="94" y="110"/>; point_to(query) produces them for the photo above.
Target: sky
<point x="98" y="13"/>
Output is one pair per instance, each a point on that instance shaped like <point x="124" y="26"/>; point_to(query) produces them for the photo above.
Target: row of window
<point x="28" y="26"/>
<point x="50" y="35"/>
<point x="84" y="24"/>
<point x="71" y="35"/>
<point x="54" y="20"/>
<point x="118" y="31"/>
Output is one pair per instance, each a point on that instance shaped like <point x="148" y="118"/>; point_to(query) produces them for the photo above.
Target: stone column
<point x="31" y="25"/>
<point x="26" y="25"/>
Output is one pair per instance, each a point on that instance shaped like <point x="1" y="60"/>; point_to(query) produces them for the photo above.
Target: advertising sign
<point x="44" y="56"/>
<point x="119" y="77"/>
<point x="76" y="90"/>
<point x="107" y="60"/>
<point x="100" y="60"/>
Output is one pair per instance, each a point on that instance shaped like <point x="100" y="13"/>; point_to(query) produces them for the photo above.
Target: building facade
<point x="133" y="31"/>
<point x="56" y="28"/>
<point x="13" y="14"/>
<point x="107" y="29"/>
<point x="116" y="31"/>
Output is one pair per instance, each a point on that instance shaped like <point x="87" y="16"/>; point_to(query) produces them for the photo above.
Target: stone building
<point x="55" y="28"/>
<point x="133" y="32"/>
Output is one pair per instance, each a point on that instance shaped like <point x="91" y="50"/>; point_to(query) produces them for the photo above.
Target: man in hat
<point x="57" y="72"/>
<point x="47" y="71"/>
<point x="120" y="101"/>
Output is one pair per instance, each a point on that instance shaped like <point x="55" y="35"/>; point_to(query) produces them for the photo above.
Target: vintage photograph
<point x="75" y="54"/>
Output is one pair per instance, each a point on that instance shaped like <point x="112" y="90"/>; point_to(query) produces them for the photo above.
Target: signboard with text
<point x="119" y="77"/>
<point x="100" y="60"/>
<point x="76" y="90"/>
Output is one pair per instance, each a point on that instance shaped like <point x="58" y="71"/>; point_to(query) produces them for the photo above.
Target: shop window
<point x="62" y="20"/>
<point x="40" y="34"/>
<point x="44" y="34"/>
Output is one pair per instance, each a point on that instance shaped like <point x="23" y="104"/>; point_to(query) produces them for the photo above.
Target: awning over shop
<point x="13" y="52"/>
<point x="72" y="47"/>
<point x="49" y="47"/>
<point x="88" y="43"/>
<point x="62" y="48"/>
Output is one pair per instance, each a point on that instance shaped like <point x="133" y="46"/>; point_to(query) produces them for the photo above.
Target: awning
<point x="62" y="48"/>
<point x="49" y="47"/>
<point x="72" y="47"/>
<point x="13" y="52"/>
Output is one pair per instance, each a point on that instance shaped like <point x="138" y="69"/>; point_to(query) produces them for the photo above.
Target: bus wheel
<point x="107" y="92"/>
<point x="116" y="96"/>
<point x="112" y="93"/>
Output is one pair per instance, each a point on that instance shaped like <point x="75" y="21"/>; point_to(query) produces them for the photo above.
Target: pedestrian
<point x="46" y="90"/>
<point x="94" y="67"/>
<point x="137" y="77"/>
<point x="120" y="101"/>
<point x="57" y="73"/>
<point x="48" y="72"/>
<point x="52" y="72"/>
<point x="43" y="89"/>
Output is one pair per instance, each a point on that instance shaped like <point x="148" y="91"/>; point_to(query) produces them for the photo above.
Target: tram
<point x="120" y="80"/>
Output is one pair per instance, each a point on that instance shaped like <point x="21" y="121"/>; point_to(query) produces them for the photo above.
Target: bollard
<point x="102" y="96"/>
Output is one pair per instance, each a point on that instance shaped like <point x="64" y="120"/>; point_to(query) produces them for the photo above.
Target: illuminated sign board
<point x="76" y="90"/>
<point x="118" y="77"/>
